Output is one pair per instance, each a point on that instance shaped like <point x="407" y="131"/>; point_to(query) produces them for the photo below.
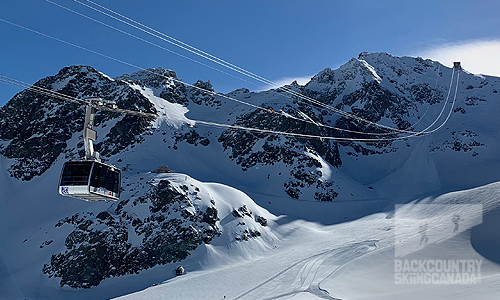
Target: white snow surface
<point x="294" y="259"/>
<point x="352" y="260"/>
<point x="171" y="113"/>
<point x="325" y="169"/>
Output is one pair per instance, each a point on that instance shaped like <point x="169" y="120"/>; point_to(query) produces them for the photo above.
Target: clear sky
<point x="277" y="39"/>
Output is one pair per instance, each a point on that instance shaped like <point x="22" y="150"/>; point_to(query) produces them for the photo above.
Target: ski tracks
<point x="309" y="273"/>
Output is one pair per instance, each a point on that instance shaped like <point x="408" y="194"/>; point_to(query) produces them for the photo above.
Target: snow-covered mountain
<point x="266" y="182"/>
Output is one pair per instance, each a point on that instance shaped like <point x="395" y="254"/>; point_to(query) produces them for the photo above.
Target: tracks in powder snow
<point x="305" y="275"/>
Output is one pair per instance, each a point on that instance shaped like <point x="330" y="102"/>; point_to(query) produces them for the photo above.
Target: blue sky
<point x="279" y="40"/>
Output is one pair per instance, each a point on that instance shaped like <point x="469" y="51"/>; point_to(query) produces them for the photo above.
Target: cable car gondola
<point x="90" y="180"/>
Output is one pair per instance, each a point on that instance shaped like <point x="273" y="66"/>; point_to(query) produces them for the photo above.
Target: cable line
<point x="219" y="61"/>
<point x="309" y="136"/>
<point x="193" y="86"/>
<point x="221" y="95"/>
<point x="64" y="97"/>
<point x="144" y="40"/>
<point x="71" y="99"/>
<point x="233" y="67"/>
<point x="428" y="106"/>
<point x="446" y="101"/>
<point x="233" y="99"/>
<point x="173" y="39"/>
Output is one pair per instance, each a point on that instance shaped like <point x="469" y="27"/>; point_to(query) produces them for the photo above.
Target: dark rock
<point x="262" y="221"/>
<point x="179" y="271"/>
<point x="93" y="254"/>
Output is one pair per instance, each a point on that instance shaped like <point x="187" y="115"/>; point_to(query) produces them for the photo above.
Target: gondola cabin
<point x="90" y="180"/>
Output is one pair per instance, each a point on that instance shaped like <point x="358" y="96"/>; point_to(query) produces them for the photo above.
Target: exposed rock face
<point x="38" y="127"/>
<point x="250" y="149"/>
<point x="174" y="222"/>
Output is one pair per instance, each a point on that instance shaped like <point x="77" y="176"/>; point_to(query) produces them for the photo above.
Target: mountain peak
<point x="206" y="85"/>
<point x="151" y="76"/>
<point x="77" y="69"/>
<point x="355" y="69"/>
<point x="325" y="76"/>
<point x="78" y="74"/>
<point x="366" y="54"/>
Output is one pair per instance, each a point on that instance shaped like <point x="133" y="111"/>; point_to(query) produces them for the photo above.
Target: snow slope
<point x="352" y="260"/>
<point x="24" y="250"/>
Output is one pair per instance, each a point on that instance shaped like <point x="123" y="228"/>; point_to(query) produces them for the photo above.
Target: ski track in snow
<point x="309" y="277"/>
